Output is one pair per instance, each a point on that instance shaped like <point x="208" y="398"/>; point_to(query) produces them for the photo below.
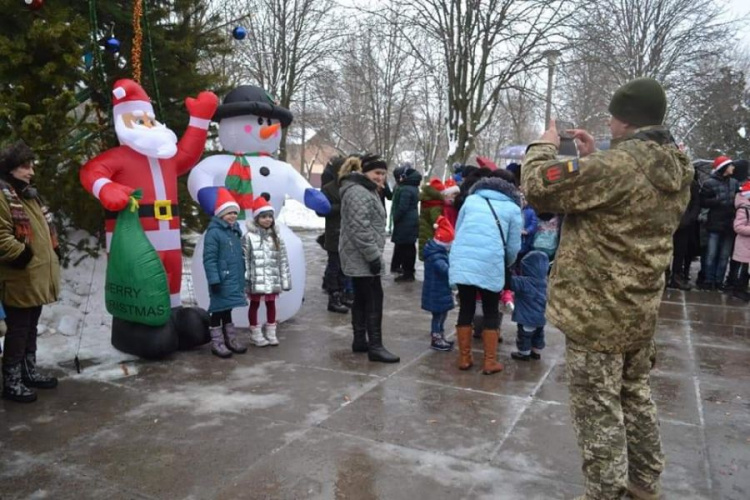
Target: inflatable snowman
<point x="250" y="126"/>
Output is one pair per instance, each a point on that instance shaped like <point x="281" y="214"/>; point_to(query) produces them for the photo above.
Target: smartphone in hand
<point x="567" y="144"/>
<point x="562" y="127"/>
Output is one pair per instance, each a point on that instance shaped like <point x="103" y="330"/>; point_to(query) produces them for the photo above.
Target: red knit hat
<point x="745" y="189"/>
<point x="225" y="203"/>
<point x="450" y="187"/>
<point x="260" y="205"/>
<point x="721" y="163"/>
<point x="444" y="232"/>
<point x="437" y="184"/>
<point x="129" y="96"/>
<point x="485" y="162"/>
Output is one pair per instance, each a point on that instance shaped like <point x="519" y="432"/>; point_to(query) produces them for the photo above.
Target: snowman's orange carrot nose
<point x="269" y="131"/>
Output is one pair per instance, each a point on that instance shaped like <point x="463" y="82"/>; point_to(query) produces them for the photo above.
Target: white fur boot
<point x="256" y="337"/>
<point x="271" y="334"/>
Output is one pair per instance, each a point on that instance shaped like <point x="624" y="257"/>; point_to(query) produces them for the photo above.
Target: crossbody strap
<point x="500" y="227"/>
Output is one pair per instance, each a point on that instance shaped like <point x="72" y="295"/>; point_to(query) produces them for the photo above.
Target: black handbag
<point x="508" y="272"/>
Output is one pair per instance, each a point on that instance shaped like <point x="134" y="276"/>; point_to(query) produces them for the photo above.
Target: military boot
<point x="13" y="387"/>
<point x="31" y="377"/>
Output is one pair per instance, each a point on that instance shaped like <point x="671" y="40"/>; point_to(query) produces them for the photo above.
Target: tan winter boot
<point x="463" y="333"/>
<point x="491" y="365"/>
<point x="638" y="492"/>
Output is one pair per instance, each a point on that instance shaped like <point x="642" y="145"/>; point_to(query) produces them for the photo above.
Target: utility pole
<point x="551" y="56"/>
<point x="303" y="147"/>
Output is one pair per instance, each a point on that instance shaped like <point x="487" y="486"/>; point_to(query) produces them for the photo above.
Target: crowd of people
<point x="610" y="220"/>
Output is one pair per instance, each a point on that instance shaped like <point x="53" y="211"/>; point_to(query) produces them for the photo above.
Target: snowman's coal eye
<point x="268" y="120"/>
<point x="260" y="120"/>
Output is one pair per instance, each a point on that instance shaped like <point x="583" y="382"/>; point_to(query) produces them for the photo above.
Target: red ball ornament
<point x="33" y="4"/>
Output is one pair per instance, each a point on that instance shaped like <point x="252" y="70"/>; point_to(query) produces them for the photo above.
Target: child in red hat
<point x="436" y="291"/>
<point x="268" y="272"/>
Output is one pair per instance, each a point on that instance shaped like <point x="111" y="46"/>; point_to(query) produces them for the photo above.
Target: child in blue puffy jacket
<point x="436" y="291"/>
<point x="531" y="301"/>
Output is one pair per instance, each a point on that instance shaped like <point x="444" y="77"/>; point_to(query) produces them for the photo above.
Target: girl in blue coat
<point x="224" y="264"/>
<point x="436" y="291"/>
<point x="488" y="238"/>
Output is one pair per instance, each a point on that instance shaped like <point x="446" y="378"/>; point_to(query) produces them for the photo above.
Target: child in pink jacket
<point x="742" y="240"/>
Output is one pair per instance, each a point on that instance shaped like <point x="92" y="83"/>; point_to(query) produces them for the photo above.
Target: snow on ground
<point x="81" y="316"/>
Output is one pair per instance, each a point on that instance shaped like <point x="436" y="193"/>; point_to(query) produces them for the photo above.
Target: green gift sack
<point x="136" y="288"/>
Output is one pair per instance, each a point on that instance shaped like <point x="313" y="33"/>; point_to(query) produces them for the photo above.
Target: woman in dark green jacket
<point x="29" y="271"/>
<point x="405" y="211"/>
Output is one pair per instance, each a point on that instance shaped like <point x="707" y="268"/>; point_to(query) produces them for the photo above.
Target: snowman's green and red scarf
<point x="239" y="181"/>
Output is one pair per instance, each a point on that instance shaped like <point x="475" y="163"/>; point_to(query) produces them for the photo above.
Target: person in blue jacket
<point x="530" y="225"/>
<point x="531" y="301"/>
<point x="224" y="264"/>
<point x="436" y="291"/>
<point x="488" y="238"/>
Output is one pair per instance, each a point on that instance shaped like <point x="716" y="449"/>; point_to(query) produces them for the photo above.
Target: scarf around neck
<point x="20" y="218"/>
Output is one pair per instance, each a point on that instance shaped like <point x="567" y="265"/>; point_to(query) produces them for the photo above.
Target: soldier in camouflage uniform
<point x="621" y="208"/>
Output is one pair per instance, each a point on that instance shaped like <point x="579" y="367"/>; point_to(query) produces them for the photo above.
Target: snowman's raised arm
<point x="205" y="178"/>
<point x="301" y="190"/>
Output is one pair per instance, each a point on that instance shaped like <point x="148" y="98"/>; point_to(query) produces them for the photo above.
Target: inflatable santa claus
<point x="150" y="159"/>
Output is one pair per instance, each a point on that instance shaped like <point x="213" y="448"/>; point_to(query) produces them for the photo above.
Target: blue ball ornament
<point x="112" y="45"/>
<point x="239" y="33"/>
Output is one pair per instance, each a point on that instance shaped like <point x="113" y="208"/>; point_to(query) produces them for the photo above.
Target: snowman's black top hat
<point x="252" y="100"/>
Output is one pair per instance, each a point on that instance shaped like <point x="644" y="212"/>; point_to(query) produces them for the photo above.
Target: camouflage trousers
<point x="614" y="419"/>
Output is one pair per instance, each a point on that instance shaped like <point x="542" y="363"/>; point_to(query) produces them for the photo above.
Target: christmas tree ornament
<point x="112" y="45"/>
<point x="239" y="33"/>
<point x="33" y="4"/>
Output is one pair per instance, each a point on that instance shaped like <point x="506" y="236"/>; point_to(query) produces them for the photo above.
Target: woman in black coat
<point x="406" y="224"/>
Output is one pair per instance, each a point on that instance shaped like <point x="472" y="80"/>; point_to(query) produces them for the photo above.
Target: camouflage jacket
<point x="621" y="208"/>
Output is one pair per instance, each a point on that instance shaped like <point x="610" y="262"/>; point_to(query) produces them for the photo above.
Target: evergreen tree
<point x="723" y="117"/>
<point x="56" y="96"/>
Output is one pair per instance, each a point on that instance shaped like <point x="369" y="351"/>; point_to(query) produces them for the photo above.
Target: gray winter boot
<point x="231" y="340"/>
<point x="31" y="377"/>
<point x="218" y="347"/>
<point x="13" y="386"/>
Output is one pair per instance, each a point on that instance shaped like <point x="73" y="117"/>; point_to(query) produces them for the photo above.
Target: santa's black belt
<point x="165" y="212"/>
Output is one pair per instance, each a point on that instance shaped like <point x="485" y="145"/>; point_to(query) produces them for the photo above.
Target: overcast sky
<point x="740" y="8"/>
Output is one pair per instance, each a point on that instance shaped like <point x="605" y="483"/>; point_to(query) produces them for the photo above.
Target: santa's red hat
<point x="745" y="189"/>
<point x="721" y="163"/>
<point x="444" y="232"/>
<point x="225" y="203"/>
<point x="450" y="187"/>
<point x="128" y="96"/>
<point x="437" y="184"/>
<point x="260" y="205"/>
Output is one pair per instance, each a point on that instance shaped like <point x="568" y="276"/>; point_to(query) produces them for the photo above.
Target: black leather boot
<point x="359" y="326"/>
<point x="376" y="350"/>
<point x="31" y="377"/>
<point x="13" y="387"/>
<point x="335" y="304"/>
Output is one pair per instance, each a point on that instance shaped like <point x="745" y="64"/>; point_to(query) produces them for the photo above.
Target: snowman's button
<point x="264" y="171"/>
<point x="266" y="196"/>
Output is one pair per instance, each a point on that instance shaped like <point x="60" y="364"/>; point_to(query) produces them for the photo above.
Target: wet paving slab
<point x="310" y="419"/>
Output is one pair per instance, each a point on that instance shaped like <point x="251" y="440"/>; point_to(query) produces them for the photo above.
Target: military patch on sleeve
<point x="558" y="172"/>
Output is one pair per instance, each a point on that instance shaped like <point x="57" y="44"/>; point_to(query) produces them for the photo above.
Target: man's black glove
<point x="375" y="267"/>
<point x="215" y="288"/>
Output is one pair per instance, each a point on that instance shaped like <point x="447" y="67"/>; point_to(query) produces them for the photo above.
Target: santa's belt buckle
<point x="163" y="209"/>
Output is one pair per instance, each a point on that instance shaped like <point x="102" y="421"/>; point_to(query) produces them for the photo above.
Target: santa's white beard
<point x="155" y="142"/>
